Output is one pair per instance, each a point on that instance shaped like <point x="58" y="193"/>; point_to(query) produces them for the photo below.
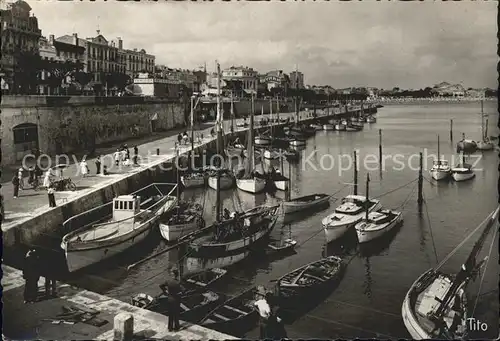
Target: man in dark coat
<point x="31" y="276"/>
<point x="46" y="264"/>
<point x="173" y="287"/>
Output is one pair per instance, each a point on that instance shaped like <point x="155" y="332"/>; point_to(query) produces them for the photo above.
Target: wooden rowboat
<point x="306" y="202"/>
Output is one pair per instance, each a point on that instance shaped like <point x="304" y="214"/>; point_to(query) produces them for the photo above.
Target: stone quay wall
<point x="72" y="124"/>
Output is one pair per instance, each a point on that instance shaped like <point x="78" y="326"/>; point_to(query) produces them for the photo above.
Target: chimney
<point x="75" y="39"/>
<point x="51" y="39"/>
<point x="120" y="43"/>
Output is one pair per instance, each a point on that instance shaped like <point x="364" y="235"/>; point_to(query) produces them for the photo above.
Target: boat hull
<point x="174" y="232"/>
<point x="260" y="141"/>
<point x="225" y="182"/>
<point x="328" y="127"/>
<point x="340" y="127"/>
<point x="458" y="176"/>
<point x="335" y="232"/>
<point x="199" y="264"/>
<point x="297" y="206"/>
<point x="255" y="185"/>
<point x="365" y="236"/>
<point x="297" y="143"/>
<point x="282" y="185"/>
<point x="439" y="174"/>
<point x="189" y="182"/>
<point x="485" y="145"/>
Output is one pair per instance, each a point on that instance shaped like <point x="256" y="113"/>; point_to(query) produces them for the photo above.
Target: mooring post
<point x="420" y="199"/>
<point x="380" y="148"/>
<point x="123" y="328"/>
<point x="289" y="191"/>
<point x="157" y="151"/>
<point x="451" y="130"/>
<point x="355" y="175"/>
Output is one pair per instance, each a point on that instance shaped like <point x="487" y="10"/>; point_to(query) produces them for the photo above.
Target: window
<point x="116" y="205"/>
<point x="25" y="133"/>
<point x="121" y="205"/>
<point x="131" y="205"/>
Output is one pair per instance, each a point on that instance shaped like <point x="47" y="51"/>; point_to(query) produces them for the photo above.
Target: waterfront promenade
<point x="33" y="321"/>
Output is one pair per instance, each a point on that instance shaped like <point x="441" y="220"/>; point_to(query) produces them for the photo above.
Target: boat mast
<point x="271" y="116"/>
<point x="482" y="122"/>
<point x="232" y="113"/>
<point x="465" y="273"/>
<point x="439" y="156"/>
<point x="219" y="145"/>
<point x="296" y="93"/>
<point x="192" y="132"/>
<point x="177" y="179"/>
<point x="367" y="202"/>
<point x="251" y="159"/>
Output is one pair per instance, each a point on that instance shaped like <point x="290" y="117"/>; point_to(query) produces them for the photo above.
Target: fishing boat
<point x="306" y="202"/>
<point x="340" y="127"/>
<point x="280" y="181"/>
<point x="237" y="313"/>
<point x="377" y="224"/>
<point x="328" y="127"/>
<point x="222" y="178"/>
<point x="467" y="146"/>
<point x="112" y="228"/>
<point x="297" y="142"/>
<point x="371" y="119"/>
<point x="347" y="215"/>
<point x="352" y="127"/>
<point x="435" y="306"/>
<point x="282" y="245"/>
<point x="238" y="232"/>
<point x="316" y="126"/>
<point x="194" y="179"/>
<point x="463" y="171"/>
<point x="192" y="307"/>
<point x="188" y="219"/>
<point x="485" y="143"/>
<point x="262" y="140"/>
<point x="250" y="181"/>
<point x="310" y="277"/>
<point x="440" y="168"/>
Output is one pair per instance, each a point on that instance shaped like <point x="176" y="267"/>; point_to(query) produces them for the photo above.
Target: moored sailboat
<point x="463" y="171"/>
<point x="440" y="168"/>
<point x="435" y="306"/>
<point x="485" y="143"/>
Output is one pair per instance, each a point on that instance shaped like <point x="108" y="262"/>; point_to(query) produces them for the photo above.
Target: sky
<point x="367" y="43"/>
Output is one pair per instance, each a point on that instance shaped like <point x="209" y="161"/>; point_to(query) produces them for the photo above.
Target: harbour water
<point x="367" y="301"/>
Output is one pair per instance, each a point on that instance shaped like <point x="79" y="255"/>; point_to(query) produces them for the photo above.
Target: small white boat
<point x="440" y="170"/>
<point x="193" y="180"/>
<point x="340" y="127"/>
<point x="271" y="154"/>
<point x="344" y="122"/>
<point x="378" y="223"/>
<point x="316" y="126"/>
<point x="297" y="142"/>
<point x="362" y="119"/>
<point x="328" y="127"/>
<point x="280" y="181"/>
<point x="347" y="215"/>
<point x="305" y="202"/>
<point x="485" y="144"/>
<point x="131" y="220"/>
<point x="262" y="140"/>
<point x="354" y="119"/>
<point x="371" y="119"/>
<point x="462" y="172"/>
<point x="251" y="185"/>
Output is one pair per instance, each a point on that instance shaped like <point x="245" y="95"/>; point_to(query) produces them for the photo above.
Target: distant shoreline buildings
<point x="69" y="65"/>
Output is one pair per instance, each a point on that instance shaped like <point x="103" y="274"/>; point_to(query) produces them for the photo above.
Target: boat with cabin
<point x="377" y="224"/>
<point x="485" y="143"/>
<point x="440" y="168"/>
<point x="463" y="171"/>
<point x="114" y="227"/>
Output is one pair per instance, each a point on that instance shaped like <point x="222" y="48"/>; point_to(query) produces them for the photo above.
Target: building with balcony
<point x="248" y="77"/>
<point x="20" y="35"/>
<point x="296" y="80"/>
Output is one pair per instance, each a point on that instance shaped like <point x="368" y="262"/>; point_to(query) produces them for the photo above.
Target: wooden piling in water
<point x="380" y="148"/>
<point x="451" y="130"/>
<point x="420" y="199"/>
<point x="355" y="175"/>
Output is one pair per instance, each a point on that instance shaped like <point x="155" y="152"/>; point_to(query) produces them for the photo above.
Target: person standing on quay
<point x="52" y="198"/>
<point x="98" y="164"/>
<point x="44" y="259"/>
<point x="20" y="176"/>
<point x="173" y="287"/>
<point x="84" y="168"/>
<point x="31" y="276"/>
<point x="15" y="182"/>
<point x="116" y="156"/>
<point x="136" y="154"/>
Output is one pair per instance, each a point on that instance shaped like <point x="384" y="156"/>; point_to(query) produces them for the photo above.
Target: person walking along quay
<point x="136" y="154"/>
<point x="15" y="183"/>
<point x="98" y="164"/>
<point x="50" y="194"/>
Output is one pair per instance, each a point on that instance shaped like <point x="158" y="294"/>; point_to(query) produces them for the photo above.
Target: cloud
<point x="342" y="44"/>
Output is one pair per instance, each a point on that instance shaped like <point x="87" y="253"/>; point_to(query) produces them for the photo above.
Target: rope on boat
<point x="401" y="207"/>
<point x="484" y="273"/>
<point x="463" y="242"/>
<point x="432" y="235"/>
<point x="395" y="189"/>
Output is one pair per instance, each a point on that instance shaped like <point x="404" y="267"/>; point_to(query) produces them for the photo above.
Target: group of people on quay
<point x="35" y="266"/>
